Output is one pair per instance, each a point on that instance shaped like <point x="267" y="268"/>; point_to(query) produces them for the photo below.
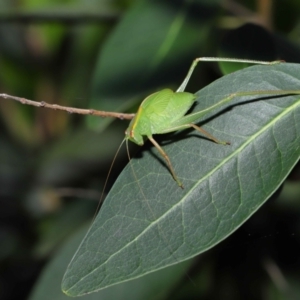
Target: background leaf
<point x="123" y="76"/>
<point x="160" y="283"/>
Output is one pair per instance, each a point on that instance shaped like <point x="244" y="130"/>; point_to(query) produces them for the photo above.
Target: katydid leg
<point x="208" y="135"/>
<point x="217" y="59"/>
<point x="166" y="157"/>
<point x="193" y="117"/>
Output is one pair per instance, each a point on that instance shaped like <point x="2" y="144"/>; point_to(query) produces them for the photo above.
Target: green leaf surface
<point x="153" y="286"/>
<point x="147" y="222"/>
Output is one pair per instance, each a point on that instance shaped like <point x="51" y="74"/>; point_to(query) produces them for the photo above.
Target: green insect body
<point x="160" y="113"/>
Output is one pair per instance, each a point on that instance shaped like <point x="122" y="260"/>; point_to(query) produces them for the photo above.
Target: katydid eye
<point x="131" y="133"/>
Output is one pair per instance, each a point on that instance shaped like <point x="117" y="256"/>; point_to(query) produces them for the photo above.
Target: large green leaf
<point x="147" y="222"/>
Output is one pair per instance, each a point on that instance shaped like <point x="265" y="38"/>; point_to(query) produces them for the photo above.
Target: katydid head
<point x="134" y="136"/>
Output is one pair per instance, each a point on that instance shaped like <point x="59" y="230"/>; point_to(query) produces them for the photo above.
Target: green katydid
<point x="164" y="111"/>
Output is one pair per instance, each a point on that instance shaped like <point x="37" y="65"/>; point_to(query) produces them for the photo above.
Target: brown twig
<point x="70" y="110"/>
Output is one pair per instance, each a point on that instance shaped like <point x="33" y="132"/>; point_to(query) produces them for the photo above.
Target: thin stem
<point x="70" y="110"/>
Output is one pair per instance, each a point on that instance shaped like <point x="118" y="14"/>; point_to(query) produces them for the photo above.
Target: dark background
<point x="108" y="55"/>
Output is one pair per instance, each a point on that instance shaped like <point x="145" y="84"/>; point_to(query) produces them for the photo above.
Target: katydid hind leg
<point x="211" y="137"/>
<point x="220" y="59"/>
<point x="167" y="159"/>
<point x="200" y="129"/>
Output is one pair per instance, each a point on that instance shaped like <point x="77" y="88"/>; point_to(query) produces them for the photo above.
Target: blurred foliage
<point x="109" y="54"/>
